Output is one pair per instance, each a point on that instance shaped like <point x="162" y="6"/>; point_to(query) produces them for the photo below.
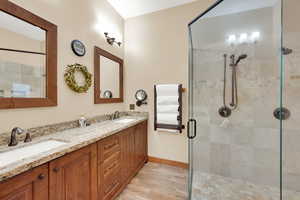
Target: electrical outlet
<point x="131" y="106"/>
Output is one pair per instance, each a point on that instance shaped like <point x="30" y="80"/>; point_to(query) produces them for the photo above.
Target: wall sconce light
<point x="111" y="40"/>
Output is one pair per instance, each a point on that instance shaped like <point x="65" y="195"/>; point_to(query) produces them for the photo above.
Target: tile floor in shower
<point x="214" y="187"/>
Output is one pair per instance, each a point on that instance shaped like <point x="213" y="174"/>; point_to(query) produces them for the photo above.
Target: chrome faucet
<point x="18" y="131"/>
<point x="115" y="115"/>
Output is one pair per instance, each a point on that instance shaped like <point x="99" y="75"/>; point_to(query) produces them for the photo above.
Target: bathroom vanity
<point x="96" y="163"/>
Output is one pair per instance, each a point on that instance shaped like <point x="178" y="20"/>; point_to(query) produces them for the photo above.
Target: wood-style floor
<point x="157" y="182"/>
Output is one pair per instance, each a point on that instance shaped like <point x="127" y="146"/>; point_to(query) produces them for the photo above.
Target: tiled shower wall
<point x="247" y="144"/>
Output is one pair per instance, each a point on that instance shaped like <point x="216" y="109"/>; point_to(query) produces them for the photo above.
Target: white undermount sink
<point x="124" y="121"/>
<point x="9" y="157"/>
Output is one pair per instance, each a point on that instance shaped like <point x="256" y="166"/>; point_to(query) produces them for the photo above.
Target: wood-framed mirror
<point x="108" y="77"/>
<point x="28" y="59"/>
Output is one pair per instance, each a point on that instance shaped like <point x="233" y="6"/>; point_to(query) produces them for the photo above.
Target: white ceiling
<point x="132" y="8"/>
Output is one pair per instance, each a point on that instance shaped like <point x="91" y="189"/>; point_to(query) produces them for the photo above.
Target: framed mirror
<point x="28" y="59"/>
<point x="108" y="79"/>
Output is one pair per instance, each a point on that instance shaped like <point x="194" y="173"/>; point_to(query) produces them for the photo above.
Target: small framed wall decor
<point x="78" y="48"/>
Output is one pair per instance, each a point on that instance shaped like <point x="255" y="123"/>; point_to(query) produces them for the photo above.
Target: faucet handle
<point x="28" y="137"/>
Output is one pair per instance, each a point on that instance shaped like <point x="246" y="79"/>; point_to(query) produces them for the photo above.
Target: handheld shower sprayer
<point x="225" y="111"/>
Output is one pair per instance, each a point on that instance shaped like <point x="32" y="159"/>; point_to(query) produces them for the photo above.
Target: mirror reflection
<point x="22" y="59"/>
<point x="109" y="78"/>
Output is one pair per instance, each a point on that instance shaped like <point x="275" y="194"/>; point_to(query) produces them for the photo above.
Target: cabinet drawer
<point x="111" y="168"/>
<point x="112" y="186"/>
<point x="109" y="147"/>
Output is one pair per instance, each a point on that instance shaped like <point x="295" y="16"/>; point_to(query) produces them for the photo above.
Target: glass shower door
<point x="236" y="85"/>
<point x="291" y="101"/>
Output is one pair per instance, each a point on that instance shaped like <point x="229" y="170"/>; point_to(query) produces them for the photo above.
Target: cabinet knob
<point x="56" y="169"/>
<point x="41" y="176"/>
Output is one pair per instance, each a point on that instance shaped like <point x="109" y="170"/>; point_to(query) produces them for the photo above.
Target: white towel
<point x="168" y="109"/>
<point x="167" y="100"/>
<point x="163" y="118"/>
<point x="167" y="130"/>
<point x="167" y="90"/>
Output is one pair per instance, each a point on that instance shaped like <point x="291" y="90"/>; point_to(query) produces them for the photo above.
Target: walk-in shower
<point x="244" y="101"/>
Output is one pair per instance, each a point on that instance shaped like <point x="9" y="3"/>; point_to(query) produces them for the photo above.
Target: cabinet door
<point x="128" y="154"/>
<point x="144" y="127"/>
<point x="137" y="146"/>
<point x="109" y="167"/>
<point x="140" y="144"/>
<point x="125" y="155"/>
<point x="74" y="176"/>
<point x="133" y="154"/>
<point x="31" y="185"/>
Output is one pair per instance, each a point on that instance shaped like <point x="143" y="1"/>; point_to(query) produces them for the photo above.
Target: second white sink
<point x="9" y="157"/>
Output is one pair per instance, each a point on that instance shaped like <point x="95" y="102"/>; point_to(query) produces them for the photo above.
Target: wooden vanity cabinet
<point x="120" y="157"/>
<point x="99" y="171"/>
<point x="31" y="185"/>
<point x="74" y="176"/>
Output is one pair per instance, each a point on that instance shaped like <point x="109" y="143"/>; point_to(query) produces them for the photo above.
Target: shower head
<point x="241" y="57"/>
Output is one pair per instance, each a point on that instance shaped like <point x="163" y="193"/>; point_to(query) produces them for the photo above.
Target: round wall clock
<point x="78" y="48"/>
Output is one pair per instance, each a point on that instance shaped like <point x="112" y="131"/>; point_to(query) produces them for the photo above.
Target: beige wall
<point x="76" y="19"/>
<point x="156" y="52"/>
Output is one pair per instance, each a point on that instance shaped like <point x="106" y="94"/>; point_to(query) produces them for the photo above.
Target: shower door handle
<point x="194" y="129"/>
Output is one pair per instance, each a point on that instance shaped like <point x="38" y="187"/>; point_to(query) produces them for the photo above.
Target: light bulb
<point x="231" y="39"/>
<point x="255" y="36"/>
<point x="243" y="38"/>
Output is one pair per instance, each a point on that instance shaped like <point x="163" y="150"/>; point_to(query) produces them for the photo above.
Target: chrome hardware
<point x="115" y="115"/>
<point x="82" y="122"/>
<point x="281" y="113"/>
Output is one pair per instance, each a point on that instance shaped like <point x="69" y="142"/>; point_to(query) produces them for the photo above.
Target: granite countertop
<point x="74" y="139"/>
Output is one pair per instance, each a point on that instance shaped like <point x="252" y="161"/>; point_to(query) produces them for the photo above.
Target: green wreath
<point x="70" y="78"/>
